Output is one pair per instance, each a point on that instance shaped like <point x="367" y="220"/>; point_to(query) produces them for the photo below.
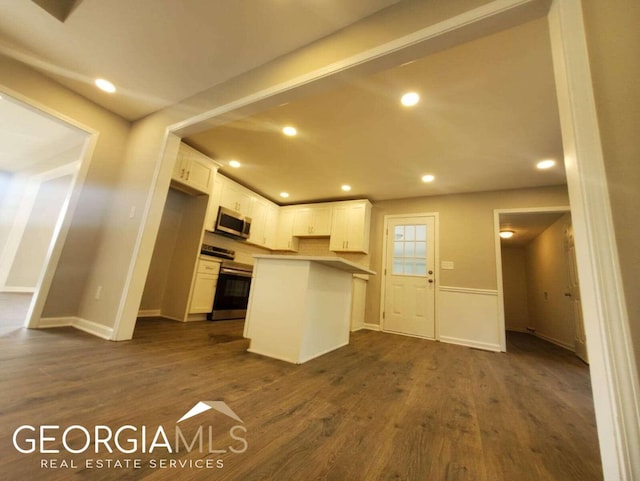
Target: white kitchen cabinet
<point x="264" y="222"/>
<point x="204" y="287"/>
<point x="312" y="220"/>
<point x="285" y="241"/>
<point x="350" y="226"/>
<point x="193" y="170"/>
<point x="235" y="197"/>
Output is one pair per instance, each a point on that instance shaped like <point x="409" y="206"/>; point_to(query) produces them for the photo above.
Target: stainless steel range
<point x="232" y="290"/>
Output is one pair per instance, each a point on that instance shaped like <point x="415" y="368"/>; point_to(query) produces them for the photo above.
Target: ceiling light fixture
<point x="284" y="195"/>
<point x="105" y="85"/>
<point x="428" y="178"/>
<point x="506" y="234"/>
<point x="410" y="99"/>
<point x="346" y="187"/>
<point x="290" y="131"/>
<point x="234" y="163"/>
<point x="546" y="164"/>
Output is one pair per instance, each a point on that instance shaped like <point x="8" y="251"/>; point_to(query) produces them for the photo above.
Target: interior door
<point x="409" y="300"/>
<point x="573" y="292"/>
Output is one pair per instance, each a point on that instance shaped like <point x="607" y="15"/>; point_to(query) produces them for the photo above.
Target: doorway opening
<point x="538" y="285"/>
<point x="40" y="169"/>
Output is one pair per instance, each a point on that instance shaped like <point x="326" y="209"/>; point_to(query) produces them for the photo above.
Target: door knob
<point x="430" y="281"/>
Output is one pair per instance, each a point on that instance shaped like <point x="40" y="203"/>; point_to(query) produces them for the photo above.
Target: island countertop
<point x="335" y="262"/>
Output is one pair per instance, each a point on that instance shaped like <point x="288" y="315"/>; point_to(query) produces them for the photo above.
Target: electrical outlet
<point x="98" y="293"/>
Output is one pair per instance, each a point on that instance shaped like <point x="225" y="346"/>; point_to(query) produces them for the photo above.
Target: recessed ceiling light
<point x="284" y="195"/>
<point x="346" y="187"/>
<point x="105" y="85"/>
<point x="289" y="131"/>
<point x="546" y="164"/>
<point x="234" y="163"/>
<point x="410" y="99"/>
<point x="506" y="234"/>
<point x="428" y="178"/>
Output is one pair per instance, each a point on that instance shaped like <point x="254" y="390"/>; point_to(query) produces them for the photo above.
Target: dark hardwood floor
<point x="385" y="407"/>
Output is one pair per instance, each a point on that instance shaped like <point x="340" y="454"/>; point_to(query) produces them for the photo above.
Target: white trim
<point x="469" y="290"/>
<point x="485" y="346"/>
<point x="614" y="374"/>
<point x="19" y="289"/>
<point x="371" y="327"/>
<point x="89" y="327"/>
<point x="149" y="313"/>
<point x="502" y="325"/>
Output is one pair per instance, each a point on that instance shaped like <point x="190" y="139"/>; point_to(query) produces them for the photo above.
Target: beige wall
<point x="550" y="311"/>
<point x="84" y="237"/>
<point x="613" y="38"/>
<point x="466" y="234"/>
<point x="514" y="285"/>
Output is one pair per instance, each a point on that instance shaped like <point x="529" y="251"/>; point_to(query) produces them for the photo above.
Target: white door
<point x="409" y="300"/>
<point x="573" y="293"/>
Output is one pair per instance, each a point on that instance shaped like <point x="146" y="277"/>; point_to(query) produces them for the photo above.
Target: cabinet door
<point x="313" y="221"/>
<point x="302" y="222"/>
<point x="338" y="240"/>
<point x="235" y="197"/>
<point x="258" y="222"/>
<point x="204" y="291"/>
<point x="284" y="238"/>
<point x="199" y="173"/>
<point x="179" y="167"/>
<point x="321" y="220"/>
<point x="350" y="227"/>
<point x="271" y="229"/>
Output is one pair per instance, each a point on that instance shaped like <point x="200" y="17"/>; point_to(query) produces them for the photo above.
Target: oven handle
<point x="235" y="272"/>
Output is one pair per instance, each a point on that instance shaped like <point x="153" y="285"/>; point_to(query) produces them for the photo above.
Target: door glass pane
<point x="410" y="250"/>
<point x="410" y="232"/>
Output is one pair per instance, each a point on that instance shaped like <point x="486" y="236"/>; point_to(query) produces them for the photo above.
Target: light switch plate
<point x="446" y="265"/>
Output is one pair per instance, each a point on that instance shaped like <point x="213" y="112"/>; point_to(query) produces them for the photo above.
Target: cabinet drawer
<point x="206" y="266"/>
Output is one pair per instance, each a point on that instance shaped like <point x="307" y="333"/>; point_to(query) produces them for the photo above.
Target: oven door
<point x="232" y="295"/>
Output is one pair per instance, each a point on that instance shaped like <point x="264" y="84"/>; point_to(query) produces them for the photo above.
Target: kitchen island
<point x="299" y="306"/>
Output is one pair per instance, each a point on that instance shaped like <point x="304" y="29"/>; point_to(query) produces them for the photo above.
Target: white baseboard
<point x="149" y="313"/>
<point x="518" y="329"/>
<point x="557" y="342"/>
<point x="470" y="343"/>
<point x="89" y="327"/>
<point x="371" y="327"/>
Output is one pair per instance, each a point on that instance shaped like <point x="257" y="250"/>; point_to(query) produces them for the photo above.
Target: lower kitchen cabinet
<point x="204" y="287"/>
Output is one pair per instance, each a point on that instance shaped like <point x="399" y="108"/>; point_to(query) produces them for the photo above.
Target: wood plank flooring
<point x="385" y="407"/>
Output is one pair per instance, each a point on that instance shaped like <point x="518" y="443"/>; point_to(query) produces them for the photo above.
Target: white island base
<point x="299" y="306"/>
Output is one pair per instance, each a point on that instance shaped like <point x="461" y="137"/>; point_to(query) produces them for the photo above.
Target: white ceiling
<point x="158" y="52"/>
<point x="29" y="137"/>
<point x="488" y="113"/>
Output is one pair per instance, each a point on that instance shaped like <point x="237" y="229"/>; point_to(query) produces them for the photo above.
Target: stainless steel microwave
<point x="232" y="224"/>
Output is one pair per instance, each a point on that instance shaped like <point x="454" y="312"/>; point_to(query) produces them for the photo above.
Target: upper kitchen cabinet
<point x="235" y="197"/>
<point x="264" y="223"/>
<point x="350" y="226"/>
<point x="312" y="220"/>
<point x="285" y="241"/>
<point x="193" y="171"/>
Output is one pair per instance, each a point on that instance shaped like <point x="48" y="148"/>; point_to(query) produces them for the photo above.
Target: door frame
<point x="498" y="248"/>
<point x="436" y="264"/>
<point x="59" y="236"/>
